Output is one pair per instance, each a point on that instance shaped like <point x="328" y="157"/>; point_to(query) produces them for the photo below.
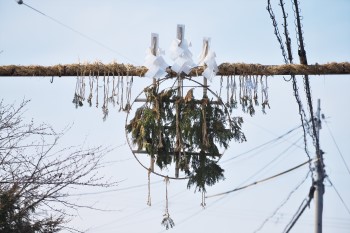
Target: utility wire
<point x="264" y="144"/>
<point x="341" y="155"/>
<point x="341" y="199"/>
<point x="260" y="181"/>
<point x="113" y="190"/>
<point x="283" y="203"/>
<point x="297" y="216"/>
<point x="20" y="2"/>
<point x="270" y="162"/>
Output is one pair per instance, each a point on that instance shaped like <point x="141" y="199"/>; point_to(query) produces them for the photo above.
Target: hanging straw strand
<point x="149" y="201"/>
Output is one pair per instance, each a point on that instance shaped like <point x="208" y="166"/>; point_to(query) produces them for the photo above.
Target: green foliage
<point x="187" y="131"/>
<point x="205" y="172"/>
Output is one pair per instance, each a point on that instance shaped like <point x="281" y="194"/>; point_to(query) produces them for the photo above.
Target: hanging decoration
<point x="91" y="88"/>
<point x="167" y="222"/>
<point x="180" y="53"/>
<point x="207" y="59"/>
<point x="203" y="204"/>
<point x="248" y="92"/>
<point x="79" y="94"/>
<point x="116" y="90"/>
<point x="183" y="131"/>
<point x="149" y="201"/>
<point x="154" y="61"/>
<point x="181" y="127"/>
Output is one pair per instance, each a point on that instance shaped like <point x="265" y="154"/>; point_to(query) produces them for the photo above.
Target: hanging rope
<point x="203" y="204"/>
<point x="256" y="102"/>
<point x="264" y="94"/>
<point x="97" y="76"/>
<point x="221" y="80"/>
<point x="167" y="221"/>
<point x="228" y="89"/>
<point x="121" y="94"/>
<point x="234" y="92"/>
<point x="111" y="98"/>
<point x="118" y="91"/>
<point x="91" y="86"/>
<point x="128" y="94"/>
<point x="105" y="96"/>
<point x="79" y="95"/>
<point x="149" y="201"/>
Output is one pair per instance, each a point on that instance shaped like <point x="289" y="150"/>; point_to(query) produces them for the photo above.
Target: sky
<point x="240" y="31"/>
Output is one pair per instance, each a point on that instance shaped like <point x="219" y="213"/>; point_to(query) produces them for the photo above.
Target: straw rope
<point x="130" y="70"/>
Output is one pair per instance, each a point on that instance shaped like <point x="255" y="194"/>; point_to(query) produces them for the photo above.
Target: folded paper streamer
<point x="154" y="61"/>
<point x="180" y="53"/>
<point x="207" y="58"/>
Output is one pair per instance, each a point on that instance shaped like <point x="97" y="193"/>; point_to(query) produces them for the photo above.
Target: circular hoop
<point x="199" y="85"/>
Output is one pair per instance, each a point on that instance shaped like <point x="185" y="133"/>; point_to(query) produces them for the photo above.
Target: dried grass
<point x="98" y="68"/>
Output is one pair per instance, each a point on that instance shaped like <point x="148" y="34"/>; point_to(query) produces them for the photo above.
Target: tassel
<point x="98" y="75"/>
<point x="203" y="204"/>
<point x="167" y="221"/>
<point x="149" y="202"/>
<point x="91" y="87"/>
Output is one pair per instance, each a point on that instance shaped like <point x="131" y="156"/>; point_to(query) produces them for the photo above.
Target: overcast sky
<point x="240" y="31"/>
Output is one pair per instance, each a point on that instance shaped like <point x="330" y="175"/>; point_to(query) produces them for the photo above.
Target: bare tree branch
<point x="35" y="174"/>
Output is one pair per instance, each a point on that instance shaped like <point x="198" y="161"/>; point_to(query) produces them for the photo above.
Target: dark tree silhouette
<point x="35" y="175"/>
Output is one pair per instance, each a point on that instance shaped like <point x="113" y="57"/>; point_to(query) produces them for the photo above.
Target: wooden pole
<point x="154" y="49"/>
<point x="205" y="53"/>
<point x="180" y="35"/>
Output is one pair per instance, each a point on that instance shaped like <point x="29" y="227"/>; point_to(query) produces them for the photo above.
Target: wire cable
<point x="341" y="155"/>
<point x="297" y="215"/>
<point x="113" y="190"/>
<point x="76" y="31"/>
<point x="341" y="199"/>
<point x="270" y="162"/>
<point x="260" y="181"/>
<point x="283" y="203"/>
<point x="261" y="145"/>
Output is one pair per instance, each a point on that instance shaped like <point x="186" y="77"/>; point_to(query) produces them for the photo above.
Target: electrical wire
<point x="283" y="203"/>
<point x="341" y="155"/>
<point x="113" y="190"/>
<point x="130" y="216"/>
<point x="76" y="31"/>
<point x="196" y="213"/>
<point x="262" y="145"/>
<point x="218" y="200"/>
<point x="341" y="199"/>
<point x="297" y="215"/>
<point x="270" y="162"/>
<point x="260" y="181"/>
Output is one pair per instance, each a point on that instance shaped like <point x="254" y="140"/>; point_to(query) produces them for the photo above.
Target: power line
<point x="283" y="203"/>
<point x="272" y="161"/>
<point x="341" y="199"/>
<point x="130" y="216"/>
<point x="264" y="144"/>
<point x="297" y="215"/>
<point x="113" y="190"/>
<point x="260" y="181"/>
<point x="341" y="155"/>
<point x="20" y="2"/>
